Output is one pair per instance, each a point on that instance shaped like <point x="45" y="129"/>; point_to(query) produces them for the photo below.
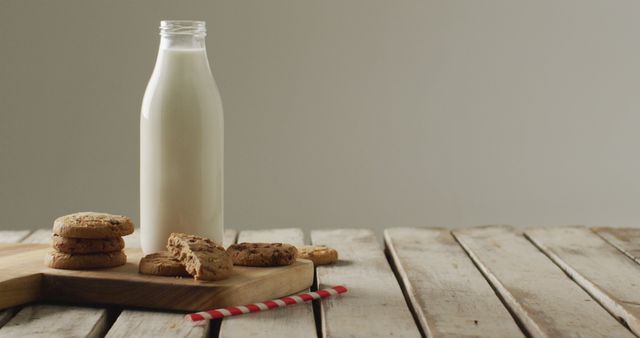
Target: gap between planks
<point x="602" y="270"/>
<point x="450" y="297"/>
<point x="545" y="300"/>
<point x="374" y="305"/>
<point x="46" y="320"/>
<point x="10" y="236"/>
<point x="142" y="323"/>
<point x="627" y="240"/>
<point x="37" y="320"/>
<point x="291" y="321"/>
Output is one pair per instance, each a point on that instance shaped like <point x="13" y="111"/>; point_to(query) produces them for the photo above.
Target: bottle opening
<point x="182" y="27"/>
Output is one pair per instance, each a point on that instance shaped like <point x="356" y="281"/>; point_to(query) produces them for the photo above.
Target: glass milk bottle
<point x="181" y="141"/>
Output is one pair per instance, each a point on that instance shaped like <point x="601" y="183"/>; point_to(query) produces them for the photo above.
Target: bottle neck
<point x="181" y="34"/>
<point x="182" y="42"/>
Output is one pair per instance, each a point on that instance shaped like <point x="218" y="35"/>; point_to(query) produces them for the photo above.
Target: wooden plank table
<point x="491" y="281"/>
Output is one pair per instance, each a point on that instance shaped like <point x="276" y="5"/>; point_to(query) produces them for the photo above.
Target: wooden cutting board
<point x="24" y="278"/>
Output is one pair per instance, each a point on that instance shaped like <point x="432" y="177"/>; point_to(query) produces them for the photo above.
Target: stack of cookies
<point x="89" y="240"/>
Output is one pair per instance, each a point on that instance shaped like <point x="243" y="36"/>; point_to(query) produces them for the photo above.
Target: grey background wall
<point x="338" y="113"/>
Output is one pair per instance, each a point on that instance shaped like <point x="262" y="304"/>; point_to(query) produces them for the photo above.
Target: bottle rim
<point x="183" y="27"/>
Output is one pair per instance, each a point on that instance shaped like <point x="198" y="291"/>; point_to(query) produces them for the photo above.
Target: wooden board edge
<point x="32" y="238"/>
<point x="210" y="328"/>
<point x="21" y="290"/>
<point x="7" y="314"/>
<point x="59" y="287"/>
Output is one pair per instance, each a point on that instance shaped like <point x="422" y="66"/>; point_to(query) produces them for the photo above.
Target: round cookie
<point x="161" y="264"/>
<point x="319" y="255"/>
<point x="262" y="254"/>
<point x="61" y="260"/>
<point x="92" y="225"/>
<point x="85" y="246"/>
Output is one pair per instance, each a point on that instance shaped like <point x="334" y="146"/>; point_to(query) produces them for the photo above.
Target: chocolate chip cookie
<point x="161" y="264"/>
<point x="202" y="258"/>
<point x="262" y="254"/>
<point x="92" y="225"/>
<point x="61" y="260"/>
<point x="85" y="246"/>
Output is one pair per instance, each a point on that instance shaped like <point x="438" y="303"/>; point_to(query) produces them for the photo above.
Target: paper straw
<point x="202" y="317"/>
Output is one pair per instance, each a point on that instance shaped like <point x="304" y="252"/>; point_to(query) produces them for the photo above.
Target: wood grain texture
<point x="450" y="296"/>
<point x="56" y="321"/>
<point x="374" y="305"/>
<point x="292" y="321"/>
<point x="135" y="323"/>
<point x="20" y="283"/>
<point x="37" y="320"/>
<point x="627" y="240"/>
<point x="23" y="281"/>
<point x="123" y="285"/>
<point x="546" y="301"/>
<point x="11" y="236"/>
<point x="608" y="275"/>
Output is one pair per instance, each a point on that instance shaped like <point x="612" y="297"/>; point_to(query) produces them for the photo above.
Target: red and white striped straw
<point x="202" y="317"/>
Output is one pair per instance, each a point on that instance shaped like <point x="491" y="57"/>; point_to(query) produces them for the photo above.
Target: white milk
<point x="181" y="150"/>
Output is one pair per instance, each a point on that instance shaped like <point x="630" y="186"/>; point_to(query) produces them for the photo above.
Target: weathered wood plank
<point x="292" y="236"/>
<point x="11" y="236"/>
<point x="6" y="315"/>
<point x="132" y="240"/>
<point x="135" y="323"/>
<point x="545" y="300"/>
<point x="608" y="275"/>
<point x="132" y="323"/>
<point x="450" y="296"/>
<point x="56" y="321"/>
<point x="627" y="240"/>
<point x="374" y="305"/>
<point x="294" y="321"/>
<point x="38" y="236"/>
<point x="230" y="236"/>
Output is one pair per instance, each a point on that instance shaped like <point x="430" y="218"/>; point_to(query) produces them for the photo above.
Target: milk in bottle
<point x="181" y="141"/>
